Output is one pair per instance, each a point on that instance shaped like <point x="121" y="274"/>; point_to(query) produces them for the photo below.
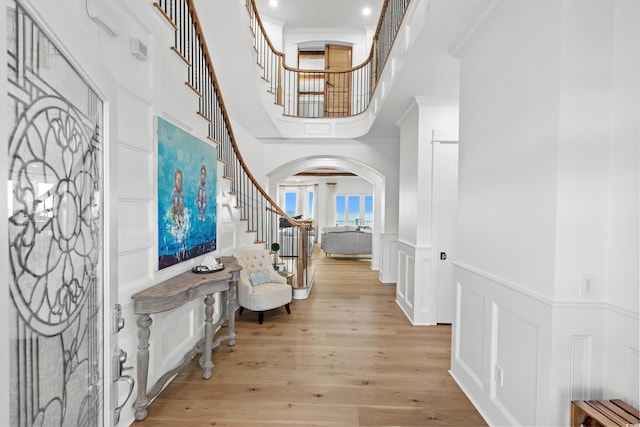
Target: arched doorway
<point x="356" y="167"/>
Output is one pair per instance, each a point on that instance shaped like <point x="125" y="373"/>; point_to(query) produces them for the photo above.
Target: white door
<point x="447" y="189"/>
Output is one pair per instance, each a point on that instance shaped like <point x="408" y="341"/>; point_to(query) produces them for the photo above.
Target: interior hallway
<point x="347" y="356"/>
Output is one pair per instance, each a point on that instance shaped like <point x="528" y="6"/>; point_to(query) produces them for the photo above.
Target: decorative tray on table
<point x="209" y="265"/>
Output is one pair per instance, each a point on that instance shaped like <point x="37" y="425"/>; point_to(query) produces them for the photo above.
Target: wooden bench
<point x="605" y="413"/>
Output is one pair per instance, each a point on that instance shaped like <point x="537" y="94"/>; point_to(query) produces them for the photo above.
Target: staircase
<point x="243" y="203"/>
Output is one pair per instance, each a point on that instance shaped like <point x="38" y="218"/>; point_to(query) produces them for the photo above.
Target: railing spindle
<point x="306" y="103"/>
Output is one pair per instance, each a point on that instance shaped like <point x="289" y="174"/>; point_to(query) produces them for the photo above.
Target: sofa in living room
<point x="346" y="240"/>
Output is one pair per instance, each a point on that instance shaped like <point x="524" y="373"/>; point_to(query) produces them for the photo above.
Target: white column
<point x="315" y="203"/>
<point x="302" y="204"/>
<point x="331" y="203"/>
<point x="418" y="254"/>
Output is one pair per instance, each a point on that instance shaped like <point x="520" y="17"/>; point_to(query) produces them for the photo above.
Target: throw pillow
<point x="259" y="277"/>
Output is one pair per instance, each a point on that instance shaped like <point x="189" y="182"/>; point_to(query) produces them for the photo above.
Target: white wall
<point x="408" y="171"/>
<point x="548" y="191"/>
<point x="274" y="30"/>
<point x="585" y="136"/>
<point x="623" y="252"/>
<point x="508" y="147"/>
<point x="293" y="37"/>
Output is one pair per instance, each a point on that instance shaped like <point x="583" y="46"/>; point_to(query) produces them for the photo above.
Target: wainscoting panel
<point x="176" y="335"/>
<point x="135" y="182"/>
<point x="388" y="257"/>
<point x="317" y="129"/>
<point x="134" y="121"/>
<point x="410" y="275"/>
<point x="470" y="337"/>
<point x="521" y="358"/>
<point x="135" y="241"/>
<point x="622" y="360"/>
<point x="226" y="238"/>
<point x="426" y="282"/>
<point x="516" y="364"/>
<point x="134" y="215"/>
<point x="173" y="333"/>
<point x="581" y="361"/>
<point x="416" y="291"/>
<point x="499" y="334"/>
<point x="133" y="267"/>
<point x="135" y="232"/>
<point x="411" y="284"/>
<point x="401" y="287"/>
<point x="632" y="367"/>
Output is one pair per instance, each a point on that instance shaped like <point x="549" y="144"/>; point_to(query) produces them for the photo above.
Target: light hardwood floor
<point x="347" y="356"/>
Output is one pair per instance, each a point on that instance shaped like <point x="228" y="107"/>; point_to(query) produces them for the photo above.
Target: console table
<point x="173" y="293"/>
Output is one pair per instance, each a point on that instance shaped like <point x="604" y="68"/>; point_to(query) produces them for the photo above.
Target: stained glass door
<point x="55" y="151"/>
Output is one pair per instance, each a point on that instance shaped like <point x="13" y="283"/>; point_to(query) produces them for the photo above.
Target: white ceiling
<point x="322" y="13"/>
<point x="428" y="67"/>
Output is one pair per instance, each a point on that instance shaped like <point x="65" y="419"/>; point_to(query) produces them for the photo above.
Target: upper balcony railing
<point x="326" y="93"/>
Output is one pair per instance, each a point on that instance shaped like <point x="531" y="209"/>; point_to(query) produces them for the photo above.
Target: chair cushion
<point x="259" y="277"/>
<point x="268" y="296"/>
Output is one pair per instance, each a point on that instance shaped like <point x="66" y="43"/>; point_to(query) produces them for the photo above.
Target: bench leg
<point x="261" y="317"/>
<point x="287" y="308"/>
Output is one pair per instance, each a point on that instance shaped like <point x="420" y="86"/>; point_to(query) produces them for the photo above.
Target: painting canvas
<point x="187" y="178"/>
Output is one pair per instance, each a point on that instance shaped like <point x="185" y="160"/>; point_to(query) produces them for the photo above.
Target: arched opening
<point x="335" y="166"/>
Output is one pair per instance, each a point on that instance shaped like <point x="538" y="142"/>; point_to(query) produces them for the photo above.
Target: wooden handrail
<point x="262" y="214"/>
<point x="304" y="70"/>
<point x="370" y="78"/>
<point x="205" y="50"/>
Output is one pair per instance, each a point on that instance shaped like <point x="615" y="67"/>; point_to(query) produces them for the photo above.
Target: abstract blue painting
<point x="187" y="178"/>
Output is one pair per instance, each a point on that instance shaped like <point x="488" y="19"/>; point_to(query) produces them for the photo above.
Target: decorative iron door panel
<point x="55" y="212"/>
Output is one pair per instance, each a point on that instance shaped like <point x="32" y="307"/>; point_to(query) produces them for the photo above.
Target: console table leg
<point x="142" y="400"/>
<point x="232" y="298"/>
<point x="205" y="360"/>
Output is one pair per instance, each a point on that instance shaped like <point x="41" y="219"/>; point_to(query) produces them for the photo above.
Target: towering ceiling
<point x="322" y="13"/>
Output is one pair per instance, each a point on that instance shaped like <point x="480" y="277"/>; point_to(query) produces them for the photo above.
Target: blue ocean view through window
<point x="354" y="210"/>
<point x="290" y="203"/>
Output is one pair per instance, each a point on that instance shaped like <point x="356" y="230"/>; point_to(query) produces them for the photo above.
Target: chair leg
<point x="260" y="317"/>
<point x="241" y="310"/>
<point x="288" y="309"/>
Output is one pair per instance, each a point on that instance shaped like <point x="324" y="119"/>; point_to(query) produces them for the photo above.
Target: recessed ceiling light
<point x="273" y="3"/>
<point x="366" y="11"/>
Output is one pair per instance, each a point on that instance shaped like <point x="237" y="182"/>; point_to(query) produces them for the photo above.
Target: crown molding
<point x="413" y="105"/>
<point x="418" y="102"/>
<point x="485" y="19"/>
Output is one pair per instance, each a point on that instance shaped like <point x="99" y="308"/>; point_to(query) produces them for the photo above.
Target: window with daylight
<point x="354" y="210"/>
<point x="368" y="211"/>
<point x="340" y="210"/>
<point x="290" y="203"/>
<point x="310" y="198"/>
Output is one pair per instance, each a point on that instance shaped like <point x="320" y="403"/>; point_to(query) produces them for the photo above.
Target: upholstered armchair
<point x="260" y="287"/>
